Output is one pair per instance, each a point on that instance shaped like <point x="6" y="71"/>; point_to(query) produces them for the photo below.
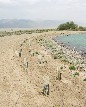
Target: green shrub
<point x="37" y="53"/>
<point x="61" y="67"/>
<point x="72" y="68"/>
<point x="76" y="73"/>
<point x="68" y="26"/>
<point x="84" y="79"/>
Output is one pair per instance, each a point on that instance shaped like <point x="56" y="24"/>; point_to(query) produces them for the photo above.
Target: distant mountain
<point x="20" y="23"/>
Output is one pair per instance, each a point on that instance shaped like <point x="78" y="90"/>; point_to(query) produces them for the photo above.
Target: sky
<point x="44" y="10"/>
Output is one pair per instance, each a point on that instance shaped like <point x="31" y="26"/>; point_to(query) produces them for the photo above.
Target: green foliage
<point x="72" y="68"/>
<point x="68" y="26"/>
<point x="37" y="53"/>
<point x="81" y="28"/>
<point x="61" y="67"/>
<point x="71" y="26"/>
<point x="76" y="73"/>
<point x="84" y="79"/>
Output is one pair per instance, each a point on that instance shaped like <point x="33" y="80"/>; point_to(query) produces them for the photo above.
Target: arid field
<point x="25" y="60"/>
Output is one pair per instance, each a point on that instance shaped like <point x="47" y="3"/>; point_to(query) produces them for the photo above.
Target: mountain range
<point x="22" y="23"/>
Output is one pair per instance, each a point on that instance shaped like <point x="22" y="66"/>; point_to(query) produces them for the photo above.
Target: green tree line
<point x="71" y="26"/>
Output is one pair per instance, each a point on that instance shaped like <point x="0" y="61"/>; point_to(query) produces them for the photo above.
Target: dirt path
<point x="16" y="89"/>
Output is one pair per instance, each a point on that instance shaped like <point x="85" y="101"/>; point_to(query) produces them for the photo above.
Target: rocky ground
<point x="22" y="75"/>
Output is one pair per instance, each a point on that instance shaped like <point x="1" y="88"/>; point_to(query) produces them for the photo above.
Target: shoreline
<point x="70" y="47"/>
<point x="72" y="54"/>
<point x="22" y="75"/>
<point x="69" y="55"/>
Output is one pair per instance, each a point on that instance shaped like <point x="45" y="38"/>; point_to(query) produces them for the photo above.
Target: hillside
<point x="15" y="23"/>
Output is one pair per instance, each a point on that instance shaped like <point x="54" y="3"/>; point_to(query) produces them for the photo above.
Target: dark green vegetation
<point x="84" y="79"/>
<point x="71" y="26"/>
<point x="76" y="74"/>
<point x="72" y="68"/>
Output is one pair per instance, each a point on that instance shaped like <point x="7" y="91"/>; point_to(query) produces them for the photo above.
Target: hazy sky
<point x="43" y="9"/>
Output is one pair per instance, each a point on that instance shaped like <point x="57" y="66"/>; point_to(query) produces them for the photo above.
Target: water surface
<point x="75" y="41"/>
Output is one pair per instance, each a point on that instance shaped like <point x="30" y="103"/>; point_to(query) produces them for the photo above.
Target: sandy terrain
<point x="21" y="85"/>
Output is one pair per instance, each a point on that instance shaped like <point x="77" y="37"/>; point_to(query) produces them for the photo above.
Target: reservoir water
<point x="75" y="41"/>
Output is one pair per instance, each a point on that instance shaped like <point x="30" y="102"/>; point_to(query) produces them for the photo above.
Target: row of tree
<point x="71" y="26"/>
